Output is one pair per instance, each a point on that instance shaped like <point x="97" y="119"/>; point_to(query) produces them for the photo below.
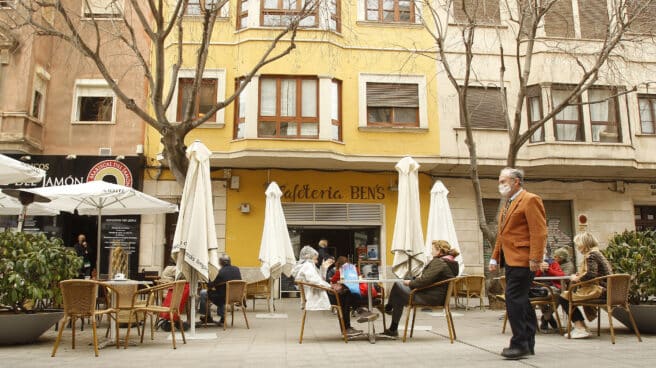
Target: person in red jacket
<point x="549" y="267"/>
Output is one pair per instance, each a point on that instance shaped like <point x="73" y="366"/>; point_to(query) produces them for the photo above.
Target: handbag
<point x="585" y="292"/>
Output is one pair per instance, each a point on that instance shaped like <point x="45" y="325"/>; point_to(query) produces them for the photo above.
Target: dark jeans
<point x="577" y="316"/>
<point x="398" y="298"/>
<point x="521" y="314"/>
<point x="348" y="301"/>
<point x="220" y="303"/>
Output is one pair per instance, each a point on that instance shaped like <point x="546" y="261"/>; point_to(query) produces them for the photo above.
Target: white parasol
<point x="408" y="239"/>
<point x="13" y="171"/>
<point x="195" y="248"/>
<point x="440" y="222"/>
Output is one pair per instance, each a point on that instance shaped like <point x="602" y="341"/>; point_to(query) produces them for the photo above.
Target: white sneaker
<point x="580" y="333"/>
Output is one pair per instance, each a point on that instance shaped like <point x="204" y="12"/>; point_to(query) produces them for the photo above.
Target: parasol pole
<point x="98" y="246"/>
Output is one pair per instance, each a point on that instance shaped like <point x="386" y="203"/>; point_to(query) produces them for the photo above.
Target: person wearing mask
<point x="443" y="266"/>
<point x="217" y="290"/>
<point x="519" y="247"/>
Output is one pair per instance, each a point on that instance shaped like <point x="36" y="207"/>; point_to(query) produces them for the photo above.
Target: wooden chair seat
<point x="412" y="307"/>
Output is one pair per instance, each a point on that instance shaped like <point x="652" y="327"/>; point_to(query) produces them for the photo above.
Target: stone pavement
<point x="274" y="343"/>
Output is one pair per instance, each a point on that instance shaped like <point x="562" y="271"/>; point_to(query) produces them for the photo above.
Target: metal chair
<point x="338" y="307"/>
<point x="412" y="306"/>
<point x="80" y="302"/>
<point x="235" y="296"/>
<point x="617" y="296"/>
<point x="470" y="287"/>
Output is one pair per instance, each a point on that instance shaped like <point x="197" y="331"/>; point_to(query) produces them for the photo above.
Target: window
<point x="37" y="105"/>
<point x="278" y="13"/>
<point x="289" y="107"/>
<point x="94" y="102"/>
<point x="388" y="11"/>
<point x="568" y="122"/>
<point x="334" y="9"/>
<point x="39" y="93"/>
<point x="593" y="18"/>
<point x="336" y="110"/>
<point x="604" y="115"/>
<point x="485" y="107"/>
<point x="534" y="109"/>
<point x="392" y="104"/>
<point x="240" y="111"/>
<point x="103" y="8"/>
<point x="559" y="20"/>
<point x="206" y="97"/>
<point x="644" y="14"/>
<point x="193" y="8"/>
<point x="242" y="14"/>
<point x="6" y="3"/>
<point x="647" y="104"/>
<point x="481" y="11"/>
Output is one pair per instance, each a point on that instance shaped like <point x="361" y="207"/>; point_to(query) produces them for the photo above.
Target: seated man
<point x="217" y="290"/>
<point x="443" y="266"/>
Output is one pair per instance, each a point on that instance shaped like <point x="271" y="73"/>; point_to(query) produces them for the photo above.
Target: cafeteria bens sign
<point x="305" y="192"/>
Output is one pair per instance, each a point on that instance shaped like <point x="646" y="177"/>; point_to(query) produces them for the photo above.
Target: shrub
<point x="634" y="253"/>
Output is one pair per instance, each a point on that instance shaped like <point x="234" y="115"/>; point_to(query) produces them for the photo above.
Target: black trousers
<point x="521" y="314"/>
<point x="348" y="301"/>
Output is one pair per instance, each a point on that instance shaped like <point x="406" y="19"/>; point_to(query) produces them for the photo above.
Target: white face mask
<point x="504" y="189"/>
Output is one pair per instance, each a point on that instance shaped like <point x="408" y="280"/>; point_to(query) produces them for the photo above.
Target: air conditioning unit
<point x="105" y="151"/>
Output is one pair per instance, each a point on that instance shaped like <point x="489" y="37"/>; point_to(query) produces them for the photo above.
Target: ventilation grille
<point x="105" y="151"/>
<point x="333" y="213"/>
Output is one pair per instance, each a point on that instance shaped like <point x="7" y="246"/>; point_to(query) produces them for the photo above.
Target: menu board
<point x="121" y="231"/>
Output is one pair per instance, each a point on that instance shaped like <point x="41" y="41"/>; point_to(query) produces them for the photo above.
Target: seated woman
<point x="306" y="270"/>
<point x="359" y="297"/>
<point x="549" y="267"/>
<point x="443" y="266"/>
<point x="561" y="255"/>
<point x="594" y="265"/>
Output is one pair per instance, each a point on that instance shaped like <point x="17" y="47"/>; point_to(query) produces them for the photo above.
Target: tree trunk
<point x="175" y="152"/>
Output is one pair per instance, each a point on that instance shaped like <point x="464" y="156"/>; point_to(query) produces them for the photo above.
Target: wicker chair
<point x="80" y="302"/>
<point x="470" y="287"/>
<point x="617" y="296"/>
<point x="260" y="290"/>
<point x="338" y="307"/>
<point x="235" y="295"/>
<point x="412" y="307"/>
<point x="149" y="309"/>
<point x="551" y="299"/>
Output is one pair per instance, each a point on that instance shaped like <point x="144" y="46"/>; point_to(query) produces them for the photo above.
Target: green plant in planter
<point x="634" y="253"/>
<point x="31" y="266"/>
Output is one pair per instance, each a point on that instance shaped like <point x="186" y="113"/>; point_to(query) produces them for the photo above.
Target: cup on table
<point x="87" y="277"/>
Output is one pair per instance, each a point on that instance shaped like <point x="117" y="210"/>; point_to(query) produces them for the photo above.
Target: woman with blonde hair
<point x="594" y="265"/>
<point x="443" y="266"/>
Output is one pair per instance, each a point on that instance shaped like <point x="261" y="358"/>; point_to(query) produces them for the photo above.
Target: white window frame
<point x="220" y="76"/>
<point x="419" y="80"/>
<point x="92" y="88"/>
<point x="100" y="9"/>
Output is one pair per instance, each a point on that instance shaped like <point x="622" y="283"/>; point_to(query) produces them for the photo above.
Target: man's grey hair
<point x="513" y="173"/>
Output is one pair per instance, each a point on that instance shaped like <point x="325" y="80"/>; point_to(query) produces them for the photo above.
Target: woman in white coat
<point x="306" y="270"/>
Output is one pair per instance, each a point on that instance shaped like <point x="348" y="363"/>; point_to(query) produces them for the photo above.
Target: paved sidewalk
<point x="274" y="343"/>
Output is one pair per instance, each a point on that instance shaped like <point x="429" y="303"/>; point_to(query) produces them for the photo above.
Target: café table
<point x="125" y="289"/>
<point x="371" y="330"/>
<point x="565" y="278"/>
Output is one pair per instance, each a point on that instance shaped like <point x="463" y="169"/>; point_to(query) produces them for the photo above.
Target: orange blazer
<point x="523" y="233"/>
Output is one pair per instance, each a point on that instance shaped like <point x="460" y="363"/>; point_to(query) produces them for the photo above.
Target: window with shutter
<point x="559" y="20"/>
<point x="480" y="11"/>
<point x="392" y="104"/>
<point x="593" y="17"/>
<point x="485" y="108"/>
<point x="534" y="110"/>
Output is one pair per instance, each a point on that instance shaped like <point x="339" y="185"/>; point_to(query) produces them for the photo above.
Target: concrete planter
<point x="25" y="328"/>
<point x="644" y="315"/>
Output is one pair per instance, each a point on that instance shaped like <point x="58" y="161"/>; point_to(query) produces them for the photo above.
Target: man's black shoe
<point x="206" y="319"/>
<point x="544" y="325"/>
<point x="515" y="353"/>
<point x="388" y="309"/>
<point x="553" y="324"/>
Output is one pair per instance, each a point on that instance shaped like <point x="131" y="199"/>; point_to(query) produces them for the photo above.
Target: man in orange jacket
<point x="520" y="244"/>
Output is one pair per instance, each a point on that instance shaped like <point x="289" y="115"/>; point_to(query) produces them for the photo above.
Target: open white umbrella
<point x="408" y="239"/>
<point x="14" y="171"/>
<point x="12" y="206"/>
<point x="194" y="244"/>
<point x="440" y="222"/>
<point x="276" y="252"/>
<point x="102" y="198"/>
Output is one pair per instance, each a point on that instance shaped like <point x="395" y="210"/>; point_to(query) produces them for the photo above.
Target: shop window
<point x="288" y="107"/>
<point x="206" y="97"/>
<point x="193" y="8"/>
<point x="568" y="123"/>
<point x="485" y="107"/>
<point x="390" y="11"/>
<point x="647" y="104"/>
<point x="102" y="8"/>
<point x="336" y="109"/>
<point x="392" y="104"/>
<point x="534" y="109"/>
<point x="479" y="11"/>
<point x="279" y="13"/>
<point x="94" y="102"/>
<point x="559" y="20"/>
<point x="604" y="115"/>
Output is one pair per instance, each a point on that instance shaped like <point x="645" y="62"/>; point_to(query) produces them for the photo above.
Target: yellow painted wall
<point x="244" y="231"/>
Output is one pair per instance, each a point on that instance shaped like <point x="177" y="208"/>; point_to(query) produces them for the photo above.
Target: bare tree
<point x="156" y="38"/>
<point x="457" y="25"/>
